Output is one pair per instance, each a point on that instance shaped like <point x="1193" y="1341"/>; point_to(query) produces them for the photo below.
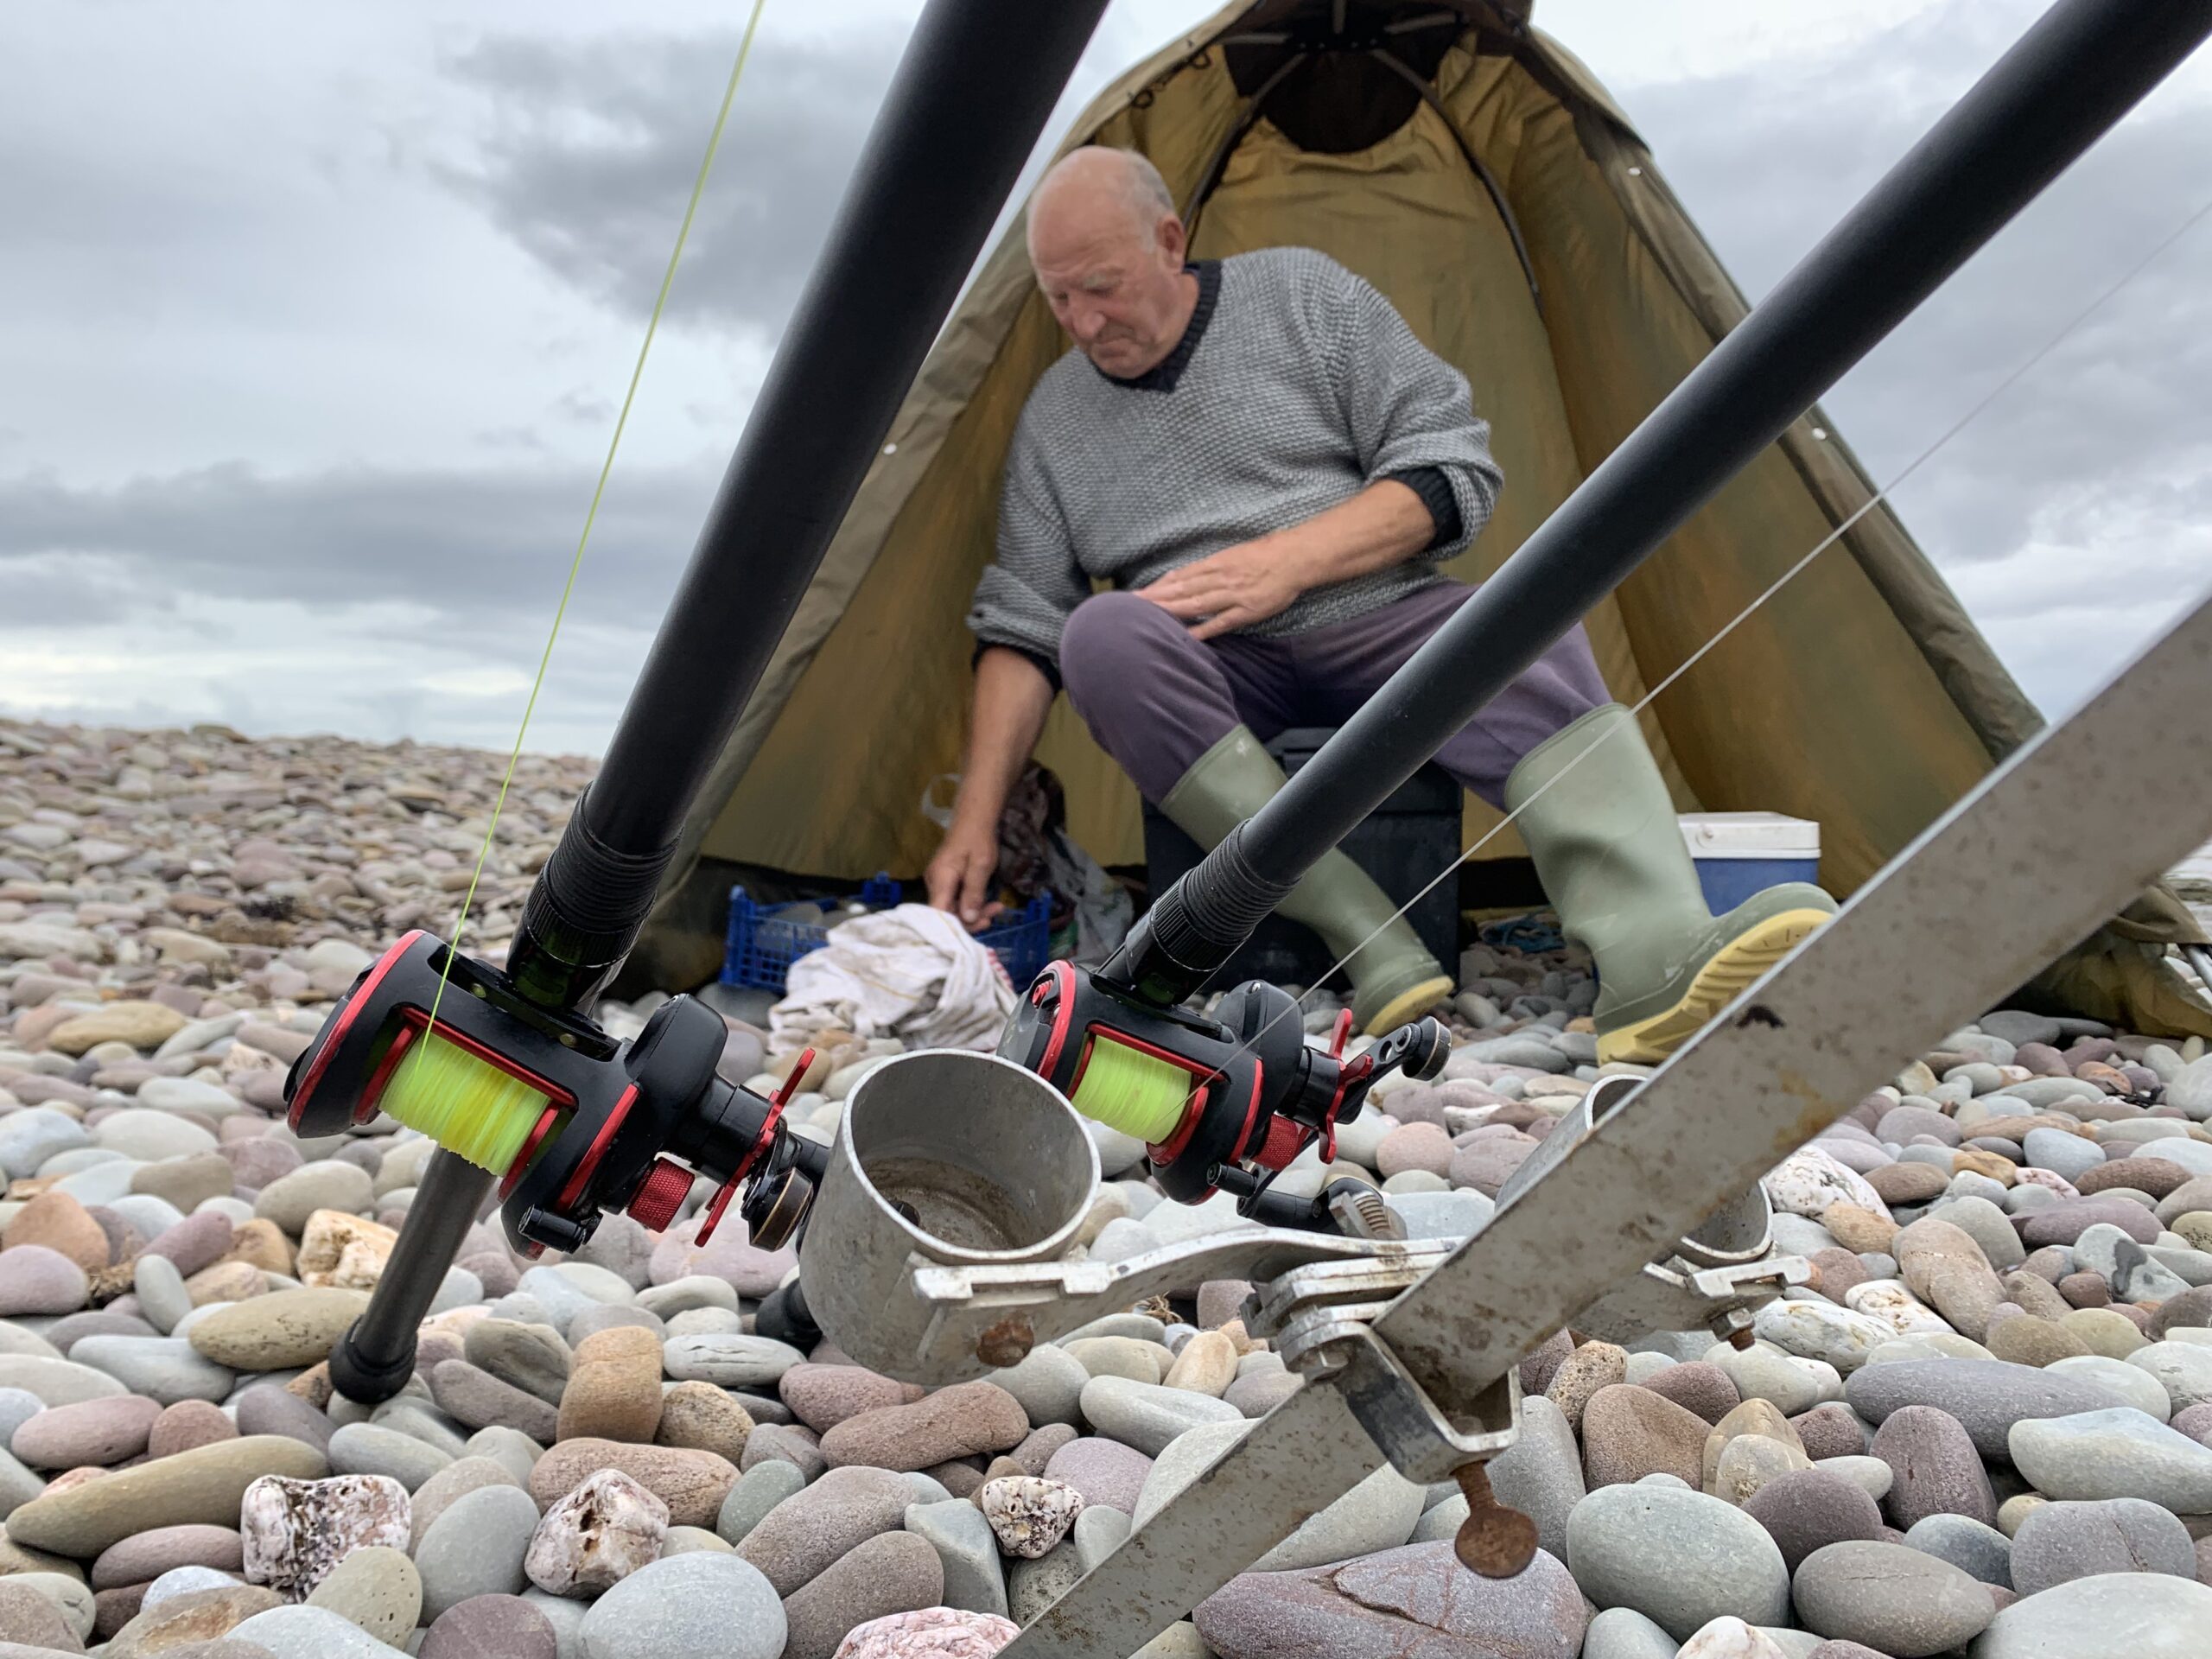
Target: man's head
<point x="1108" y="251"/>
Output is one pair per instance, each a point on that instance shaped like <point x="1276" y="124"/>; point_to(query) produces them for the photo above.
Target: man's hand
<point x="1012" y="698"/>
<point x="959" y="877"/>
<point x="1230" y="589"/>
<point x="1385" y="523"/>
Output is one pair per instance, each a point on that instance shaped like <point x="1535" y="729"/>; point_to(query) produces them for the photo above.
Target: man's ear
<point x="1173" y="240"/>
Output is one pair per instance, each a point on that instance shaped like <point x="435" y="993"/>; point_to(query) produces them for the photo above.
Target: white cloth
<point x="909" y="972"/>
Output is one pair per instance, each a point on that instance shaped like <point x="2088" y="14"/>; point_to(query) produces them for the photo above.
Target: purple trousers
<point x="1156" y="699"/>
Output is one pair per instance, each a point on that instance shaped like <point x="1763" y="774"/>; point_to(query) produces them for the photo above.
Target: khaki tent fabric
<point x="1860" y="697"/>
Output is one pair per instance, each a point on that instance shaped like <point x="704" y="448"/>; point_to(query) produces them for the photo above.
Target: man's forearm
<point x="1385" y="525"/>
<point x="1012" y="696"/>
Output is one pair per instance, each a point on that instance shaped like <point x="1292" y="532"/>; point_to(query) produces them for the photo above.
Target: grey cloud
<point x="463" y="545"/>
<point x="383" y="595"/>
<point x="2120" y="401"/>
<point x="589" y="153"/>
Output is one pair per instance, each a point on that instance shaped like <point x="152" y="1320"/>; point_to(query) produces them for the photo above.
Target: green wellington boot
<point x="1609" y="849"/>
<point x="1394" y="978"/>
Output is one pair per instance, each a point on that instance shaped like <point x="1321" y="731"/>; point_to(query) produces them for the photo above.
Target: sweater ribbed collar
<point x="1163" y="375"/>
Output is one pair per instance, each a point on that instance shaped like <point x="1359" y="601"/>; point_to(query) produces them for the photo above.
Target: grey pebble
<point x="757" y="1490"/>
<point x="1680" y="1557"/>
<point x="691" y="1606"/>
<point x="476" y="1547"/>
<point x="370" y="1449"/>
<point x="166" y="1369"/>
<point x="974" y="1580"/>
<point x="162" y="1295"/>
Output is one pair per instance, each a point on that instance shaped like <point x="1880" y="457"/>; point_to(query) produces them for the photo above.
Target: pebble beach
<point x="1985" y="1429"/>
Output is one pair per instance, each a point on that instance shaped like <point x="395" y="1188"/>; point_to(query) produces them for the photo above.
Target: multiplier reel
<point x="1224" y="1103"/>
<point x="574" y="1122"/>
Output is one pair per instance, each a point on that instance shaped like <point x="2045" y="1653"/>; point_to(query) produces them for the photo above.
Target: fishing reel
<point x="1222" y="1103"/>
<point x="574" y="1122"/>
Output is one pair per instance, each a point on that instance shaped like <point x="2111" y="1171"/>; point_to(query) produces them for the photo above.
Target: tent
<point x="1468" y="167"/>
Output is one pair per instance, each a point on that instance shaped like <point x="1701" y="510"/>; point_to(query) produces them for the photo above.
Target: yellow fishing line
<point x="1132" y="1092"/>
<point x="473" y="1109"/>
<point x="426" y="1067"/>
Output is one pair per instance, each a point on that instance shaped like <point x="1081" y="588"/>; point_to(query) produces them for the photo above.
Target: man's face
<point x="1114" y="284"/>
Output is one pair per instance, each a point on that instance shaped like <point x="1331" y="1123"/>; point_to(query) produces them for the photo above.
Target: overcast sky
<point x="315" y="319"/>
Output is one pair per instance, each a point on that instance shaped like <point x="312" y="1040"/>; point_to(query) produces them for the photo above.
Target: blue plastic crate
<point x="761" y="948"/>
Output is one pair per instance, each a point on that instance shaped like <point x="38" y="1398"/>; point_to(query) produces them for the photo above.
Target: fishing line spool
<point x="1224" y="1103"/>
<point x="574" y="1122"/>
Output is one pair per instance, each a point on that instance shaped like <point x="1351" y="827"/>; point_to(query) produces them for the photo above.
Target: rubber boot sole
<point x="1409" y="1005"/>
<point x="1730" y="968"/>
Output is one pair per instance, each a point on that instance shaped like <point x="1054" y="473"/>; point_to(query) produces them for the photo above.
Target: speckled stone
<point x="1938" y="1469"/>
<point x="296" y="1531"/>
<point x="1029" y="1514"/>
<point x="596" y="1536"/>
<point x="928" y="1633"/>
<point x="1592" y="1366"/>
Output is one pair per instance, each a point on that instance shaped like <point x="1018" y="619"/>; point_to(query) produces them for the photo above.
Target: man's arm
<point x="1012" y="699"/>
<point x="1406" y="409"/>
<point x="1385" y="525"/>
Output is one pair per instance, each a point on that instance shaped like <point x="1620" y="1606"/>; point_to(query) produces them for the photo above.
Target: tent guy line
<point x="1972" y="412"/>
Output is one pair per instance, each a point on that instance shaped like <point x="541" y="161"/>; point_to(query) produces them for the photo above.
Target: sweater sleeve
<point x="1027" y="593"/>
<point x="1406" y="407"/>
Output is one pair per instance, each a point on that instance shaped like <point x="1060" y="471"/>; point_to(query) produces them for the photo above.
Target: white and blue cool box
<point x="1739" y="854"/>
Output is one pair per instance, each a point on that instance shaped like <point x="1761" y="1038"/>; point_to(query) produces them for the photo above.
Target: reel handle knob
<point x="660" y="1195"/>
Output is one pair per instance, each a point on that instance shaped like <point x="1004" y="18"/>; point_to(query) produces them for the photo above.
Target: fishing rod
<point x="524" y="1094"/>
<point x="1224" y="1103"/>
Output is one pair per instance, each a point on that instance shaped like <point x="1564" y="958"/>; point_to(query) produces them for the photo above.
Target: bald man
<point x="1268" y="468"/>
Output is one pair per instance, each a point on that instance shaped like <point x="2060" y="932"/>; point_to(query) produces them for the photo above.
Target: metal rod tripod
<point x="1934" y="939"/>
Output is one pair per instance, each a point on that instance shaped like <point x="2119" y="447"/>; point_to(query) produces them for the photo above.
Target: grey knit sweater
<point x="1295" y="387"/>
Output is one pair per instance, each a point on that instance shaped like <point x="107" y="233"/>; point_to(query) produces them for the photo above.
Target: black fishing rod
<point x="519" y="1088"/>
<point x="588" y="1126"/>
<point x="2081" y="66"/>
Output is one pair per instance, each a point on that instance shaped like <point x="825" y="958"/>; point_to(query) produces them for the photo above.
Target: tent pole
<point x="2081" y="66"/>
<point x="978" y="82"/>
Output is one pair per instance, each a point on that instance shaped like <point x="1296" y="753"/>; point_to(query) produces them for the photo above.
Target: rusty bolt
<point x="1494" y="1541"/>
<point x="1742" y="1339"/>
<point x="1006" y="1343"/>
